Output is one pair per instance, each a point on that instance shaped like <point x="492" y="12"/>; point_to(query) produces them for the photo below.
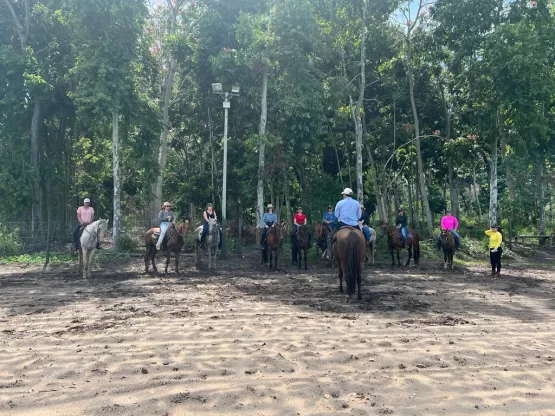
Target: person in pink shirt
<point x="85" y="216"/>
<point x="449" y="222"/>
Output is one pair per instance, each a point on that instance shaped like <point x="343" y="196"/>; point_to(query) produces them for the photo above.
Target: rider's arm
<point x="205" y="216"/>
<point x="92" y="215"/>
<point x="79" y="216"/>
<point x="456" y="224"/>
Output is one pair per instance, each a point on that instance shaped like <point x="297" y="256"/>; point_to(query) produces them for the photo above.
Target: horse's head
<point x="302" y="232"/>
<point x="212" y="226"/>
<point x="445" y="236"/>
<point x="318" y="230"/>
<point x="183" y="228"/>
<point x="102" y="226"/>
<point x="384" y="228"/>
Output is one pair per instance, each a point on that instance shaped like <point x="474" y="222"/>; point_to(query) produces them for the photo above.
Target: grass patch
<point x="40" y="257"/>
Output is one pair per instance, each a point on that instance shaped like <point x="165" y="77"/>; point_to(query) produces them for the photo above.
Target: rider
<point x="449" y="222"/>
<point x="166" y="217"/>
<point x="364" y="222"/>
<point x="269" y="219"/>
<point x="329" y="218"/>
<point x="85" y="216"/>
<point x="300" y="219"/>
<point x="207" y="214"/>
<point x="347" y="210"/>
<point x="402" y="224"/>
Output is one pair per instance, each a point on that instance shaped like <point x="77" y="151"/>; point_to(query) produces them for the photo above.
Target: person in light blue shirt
<point x="348" y="210"/>
<point x="269" y="219"/>
<point x="329" y="218"/>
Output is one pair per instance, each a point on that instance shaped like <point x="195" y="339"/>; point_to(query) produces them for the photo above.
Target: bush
<point x="10" y="241"/>
<point x="128" y="244"/>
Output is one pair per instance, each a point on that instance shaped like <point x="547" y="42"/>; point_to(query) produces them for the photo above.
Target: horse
<point x="173" y="242"/>
<point x="371" y="247"/>
<point x="349" y="250"/>
<point x="210" y="244"/>
<point x="301" y="245"/>
<point x="449" y="247"/>
<point x="271" y="246"/>
<point x="324" y="240"/>
<point x="91" y="236"/>
<point x="395" y="242"/>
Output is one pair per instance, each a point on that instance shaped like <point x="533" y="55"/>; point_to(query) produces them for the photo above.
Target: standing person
<point x="269" y="218"/>
<point x="347" y="210"/>
<point x="401" y="223"/>
<point x="449" y="222"/>
<point x="85" y="216"/>
<point x="329" y="218"/>
<point x="166" y="217"/>
<point x="495" y="250"/>
<point x="364" y="222"/>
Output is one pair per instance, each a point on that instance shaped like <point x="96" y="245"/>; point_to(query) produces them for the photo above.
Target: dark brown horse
<point x="271" y="246"/>
<point x="301" y="245"/>
<point x="173" y="241"/>
<point x="349" y="250"/>
<point x="324" y="240"/>
<point x="395" y="242"/>
<point x="449" y="247"/>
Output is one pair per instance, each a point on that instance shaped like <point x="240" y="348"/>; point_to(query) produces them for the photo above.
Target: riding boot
<point x="98" y="246"/>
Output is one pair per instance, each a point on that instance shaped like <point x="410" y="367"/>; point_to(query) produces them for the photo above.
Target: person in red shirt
<point x="299" y="219"/>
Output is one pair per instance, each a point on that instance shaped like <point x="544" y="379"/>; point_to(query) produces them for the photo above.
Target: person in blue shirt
<point x="329" y="218"/>
<point x="401" y="223"/>
<point x="269" y="219"/>
<point x="364" y="222"/>
<point x="348" y="210"/>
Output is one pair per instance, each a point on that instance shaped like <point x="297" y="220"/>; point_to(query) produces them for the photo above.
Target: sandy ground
<point x="246" y="341"/>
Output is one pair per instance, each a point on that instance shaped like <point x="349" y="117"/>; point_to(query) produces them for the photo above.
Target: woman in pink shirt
<point x="85" y="216"/>
<point x="449" y="222"/>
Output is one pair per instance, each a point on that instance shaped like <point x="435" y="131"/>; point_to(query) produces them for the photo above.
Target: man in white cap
<point x="348" y="210"/>
<point x="85" y="216"/>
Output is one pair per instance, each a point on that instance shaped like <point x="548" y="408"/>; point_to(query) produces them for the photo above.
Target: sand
<point x="246" y="341"/>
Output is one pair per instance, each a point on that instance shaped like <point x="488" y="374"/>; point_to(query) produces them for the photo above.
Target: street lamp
<point x="217" y="89"/>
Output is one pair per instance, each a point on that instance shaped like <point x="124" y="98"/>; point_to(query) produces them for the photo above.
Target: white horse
<point x="211" y="241"/>
<point x="92" y="234"/>
<point x="371" y="246"/>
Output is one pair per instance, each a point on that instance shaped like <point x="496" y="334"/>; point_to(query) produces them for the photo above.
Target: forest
<point x="425" y="104"/>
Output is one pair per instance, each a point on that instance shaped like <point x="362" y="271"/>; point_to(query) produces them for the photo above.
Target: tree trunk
<point x="262" y="144"/>
<point x="116" y="230"/>
<point x="542" y="196"/>
<point x="493" y="174"/>
<point x="422" y="178"/>
<point x="35" y="159"/>
<point x="240" y="229"/>
<point x="213" y="153"/>
<point x="288" y="207"/>
<point x="476" y="192"/>
<point x="378" y="190"/>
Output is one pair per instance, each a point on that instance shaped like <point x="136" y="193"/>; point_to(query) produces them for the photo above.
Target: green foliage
<point x="10" y="241"/>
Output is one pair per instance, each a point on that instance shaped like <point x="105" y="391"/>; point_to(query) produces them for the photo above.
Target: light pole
<point x="217" y="89"/>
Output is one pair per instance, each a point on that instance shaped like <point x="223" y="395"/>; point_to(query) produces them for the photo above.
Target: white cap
<point x="347" y="191"/>
<point x="269" y="206"/>
<point x="166" y="203"/>
<point x="86" y="200"/>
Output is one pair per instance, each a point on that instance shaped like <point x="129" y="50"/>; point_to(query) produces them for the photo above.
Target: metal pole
<point x="224" y="187"/>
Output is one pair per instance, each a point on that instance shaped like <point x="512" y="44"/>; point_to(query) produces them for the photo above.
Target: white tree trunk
<point x="262" y="144"/>
<point x="35" y="159"/>
<point x="542" y="196"/>
<point x="493" y="183"/>
<point x="359" y="104"/>
<point x="116" y="231"/>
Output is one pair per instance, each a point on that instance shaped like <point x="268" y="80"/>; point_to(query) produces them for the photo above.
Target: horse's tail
<point x="353" y="261"/>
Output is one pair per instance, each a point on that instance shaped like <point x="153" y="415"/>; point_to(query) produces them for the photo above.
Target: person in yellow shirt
<point x="495" y="250"/>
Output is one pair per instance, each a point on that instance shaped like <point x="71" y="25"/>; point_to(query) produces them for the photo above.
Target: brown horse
<point x="395" y="242"/>
<point x="324" y="240"/>
<point x="271" y="246"/>
<point x="449" y="247"/>
<point x="173" y="241"/>
<point x="301" y="238"/>
<point x="349" y="250"/>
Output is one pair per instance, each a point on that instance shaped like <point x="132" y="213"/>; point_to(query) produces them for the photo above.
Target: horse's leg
<point x="373" y="253"/>
<point x="359" y="280"/>
<point x="340" y="277"/>
<point x="153" y="258"/>
<point x="398" y="258"/>
<point x="168" y="257"/>
<point x="391" y="249"/>
<point x="305" y="258"/>
<point x="147" y="258"/>
<point x="177" y="254"/>
<point x="445" y="258"/>
<point x="299" y="258"/>
<point x="80" y="260"/>
<point x="90" y="262"/>
<point x="409" y="251"/>
<point x="277" y="251"/>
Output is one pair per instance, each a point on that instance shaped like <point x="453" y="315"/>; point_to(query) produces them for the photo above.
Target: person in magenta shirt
<point x="449" y="222"/>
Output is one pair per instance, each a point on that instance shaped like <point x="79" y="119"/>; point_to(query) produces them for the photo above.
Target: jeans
<point x="366" y="231"/>
<point x="263" y="237"/>
<point x="495" y="260"/>
<point x="457" y="240"/>
<point x="404" y="233"/>
<point x="205" y="229"/>
<point x="163" y="228"/>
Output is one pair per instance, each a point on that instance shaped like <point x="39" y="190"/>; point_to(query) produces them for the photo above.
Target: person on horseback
<point x="449" y="222"/>
<point x="347" y="210"/>
<point x="329" y="218"/>
<point x="364" y="222"/>
<point x="401" y="224"/>
<point x="207" y="214"/>
<point x="85" y="216"/>
<point x="300" y="219"/>
<point x="269" y="219"/>
<point x="166" y="217"/>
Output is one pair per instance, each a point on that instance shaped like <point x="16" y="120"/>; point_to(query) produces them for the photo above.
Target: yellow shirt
<point x="495" y="238"/>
